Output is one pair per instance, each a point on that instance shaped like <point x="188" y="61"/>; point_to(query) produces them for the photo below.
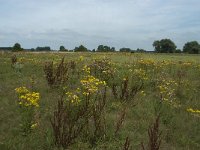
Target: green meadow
<point x="111" y="101"/>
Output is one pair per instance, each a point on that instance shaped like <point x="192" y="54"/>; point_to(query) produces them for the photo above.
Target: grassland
<point x="138" y="88"/>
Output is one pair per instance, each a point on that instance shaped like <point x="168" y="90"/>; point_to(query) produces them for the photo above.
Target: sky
<point x="116" y="23"/>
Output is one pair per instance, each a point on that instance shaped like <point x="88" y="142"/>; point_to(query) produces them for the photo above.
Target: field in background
<point x="138" y="88"/>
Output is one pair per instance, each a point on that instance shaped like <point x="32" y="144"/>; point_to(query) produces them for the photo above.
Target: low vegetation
<point x="99" y="101"/>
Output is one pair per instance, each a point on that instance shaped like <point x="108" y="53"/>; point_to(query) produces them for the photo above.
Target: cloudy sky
<point x="118" y="23"/>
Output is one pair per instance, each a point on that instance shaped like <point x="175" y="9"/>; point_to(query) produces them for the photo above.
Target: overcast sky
<point x="119" y="23"/>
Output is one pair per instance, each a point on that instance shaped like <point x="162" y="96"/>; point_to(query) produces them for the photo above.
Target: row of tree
<point x="168" y="46"/>
<point x="17" y="47"/>
<point x="101" y="48"/>
<point x="160" y="46"/>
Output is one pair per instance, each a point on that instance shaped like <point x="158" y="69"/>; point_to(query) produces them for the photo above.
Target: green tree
<point x="81" y="48"/>
<point x="46" y="48"/>
<point x="17" y="47"/>
<point x="32" y="49"/>
<point x="156" y="45"/>
<point x="164" y="46"/>
<point x="100" y="48"/>
<point x="192" y="47"/>
<point x="178" y="51"/>
<point x="62" y="48"/>
<point x="125" y="49"/>
<point x="104" y="48"/>
<point x="140" y="50"/>
<point x="112" y="49"/>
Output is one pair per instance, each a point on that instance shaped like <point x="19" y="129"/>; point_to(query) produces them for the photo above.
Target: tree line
<point x="168" y="46"/>
<point x="160" y="46"/>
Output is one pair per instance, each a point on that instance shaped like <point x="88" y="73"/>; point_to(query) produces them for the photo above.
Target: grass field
<point x="99" y="101"/>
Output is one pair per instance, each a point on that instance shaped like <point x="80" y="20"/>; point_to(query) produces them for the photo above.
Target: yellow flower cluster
<point x="73" y="98"/>
<point x="104" y="66"/>
<point x="140" y="73"/>
<point x="146" y="62"/>
<point x="81" y="58"/>
<point x="33" y="126"/>
<point x="167" y="91"/>
<point x="27" y="98"/>
<point x="86" y="69"/>
<point x="193" y="111"/>
<point x="21" y="90"/>
<point x="187" y="64"/>
<point x="21" y="60"/>
<point x="91" y="84"/>
<point x="166" y="63"/>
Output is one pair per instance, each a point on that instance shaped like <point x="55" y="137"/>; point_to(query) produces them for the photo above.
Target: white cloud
<point x="128" y="23"/>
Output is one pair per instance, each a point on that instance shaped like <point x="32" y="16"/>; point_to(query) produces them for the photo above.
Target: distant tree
<point x="62" y="48"/>
<point x="81" y="48"/>
<point x="125" y="50"/>
<point x="164" y="46"/>
<point x="100" y="48"/>
<point x="17" y="47"/>
<point x="112" y="49"/>
<point x="104" y="48"/>
<point x="178" y="51"/>
<point x="140" y="50"/>
<point x="32" y="49"/>
<point x="192" y="47"/>
<point x="157" y="46"/>
<point x="46" y="48"/>
<point x="6" y="48"/>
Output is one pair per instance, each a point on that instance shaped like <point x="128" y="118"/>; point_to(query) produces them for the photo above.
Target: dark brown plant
<point x="13" y="60"/>
<point x="154" y="135"/>
<point x="127" y="145"/>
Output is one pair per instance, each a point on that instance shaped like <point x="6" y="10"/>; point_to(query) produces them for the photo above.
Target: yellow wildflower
<point x="27" y="98"/>
<point x="33" y="126"/>
<point x="193" y="111"/>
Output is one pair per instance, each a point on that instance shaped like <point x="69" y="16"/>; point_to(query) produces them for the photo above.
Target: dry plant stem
<point x="127" y="93"/>
<point x="66" y="128"/>
<point x="99" y="117"/>
<point x="58" y="75"/>
<point x="154" y="136"/>
<point x="120" y="120"/>
<point x="13" y="60"/>
<point x="127" y="144"/>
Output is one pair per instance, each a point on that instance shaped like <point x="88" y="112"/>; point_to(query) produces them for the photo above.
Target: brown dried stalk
<point x="154" y="136"/>
<point x="120" y="120"/>
<point x="57" y="75"/>
<point x="66" y="125"/>
<point x="127" y="144"/>
<point x="13" y="60"/>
